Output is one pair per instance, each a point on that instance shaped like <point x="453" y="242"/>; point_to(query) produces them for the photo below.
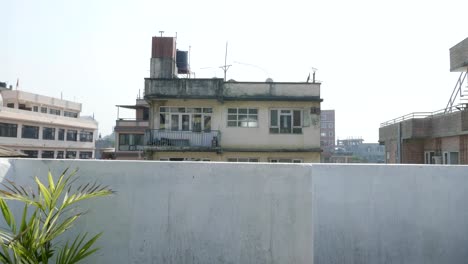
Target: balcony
<point x="129" y="122"/>
<point x="165" y="140"/>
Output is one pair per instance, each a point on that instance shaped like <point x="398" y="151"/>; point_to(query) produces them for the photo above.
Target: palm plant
<point x="47" y="213"/>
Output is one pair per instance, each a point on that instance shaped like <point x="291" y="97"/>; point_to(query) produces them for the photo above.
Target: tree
<point x="46" y="215"/>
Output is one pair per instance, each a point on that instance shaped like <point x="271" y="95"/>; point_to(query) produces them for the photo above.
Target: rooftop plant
<point x="47" y="213"/>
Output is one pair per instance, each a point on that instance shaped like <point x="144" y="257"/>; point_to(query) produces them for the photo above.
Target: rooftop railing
<point x="416" y="115"/>
<point x="173" y="140"/>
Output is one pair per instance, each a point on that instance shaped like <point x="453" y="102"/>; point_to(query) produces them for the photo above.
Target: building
<point x="327" y="133"/>
<point x="354" y="150"/>
<point x="215" y="120"/>
<point x="130" y="132"/>
<point x="439" y="137"/>
<point x="45" y="127"/>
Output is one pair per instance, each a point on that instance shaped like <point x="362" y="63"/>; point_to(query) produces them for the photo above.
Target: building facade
<point x="327" y="133"/>
<point x="214" y="120"/>
<point x="439" y="137"/>
<point x="130" y="132"/>
<point x="354" y="150"/>
<point x="45" y="127"/>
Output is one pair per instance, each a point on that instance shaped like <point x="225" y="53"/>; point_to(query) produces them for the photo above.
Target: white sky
<point x="377" y="60"/>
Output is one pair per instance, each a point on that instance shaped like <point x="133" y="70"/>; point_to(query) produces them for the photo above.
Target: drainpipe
<point x="399" y="143"/>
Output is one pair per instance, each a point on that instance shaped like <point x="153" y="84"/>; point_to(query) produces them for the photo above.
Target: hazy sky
<point x="377" y="60"/>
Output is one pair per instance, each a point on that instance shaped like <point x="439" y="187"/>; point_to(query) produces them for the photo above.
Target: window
<point x="129" y="142"/>
<point x="61" y="134"/>
<point x="48" y="133"/>
<point x="70" y="114"/>
<point x="44" y="110"/>
<point x="450" y="157"/>
<point x="86" y="154"/>
<point x="323" y="134"/>
<point x="31" y="153"/>
<point x="8" y="130"/>
<point x="242" y="117"/>
<point x="429" y="157"/>
<point x="145" y="114"/>
<point x="286" y="160"/>
<point x="35" y="108"/>
<point x="71" y="155"/>
<point x="59" y="154"/>
<point x="242" y="159"/>
<point x="11" y="105"/>
<point x="72" y="135"/>
<point x="330" y="125"/>
<point x="47" y="154"/>
<point x="86" y="136"/>
<point x="54" y="111"/>
<point x="30" y="132"/>
<point x="330" y="134"/>
<point x="185" y="119"/>
<point x="22" y="106"/>
<point x="285" y="121"/>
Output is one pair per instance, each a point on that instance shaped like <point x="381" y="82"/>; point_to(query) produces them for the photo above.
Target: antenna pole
<point x="225" y="67"/>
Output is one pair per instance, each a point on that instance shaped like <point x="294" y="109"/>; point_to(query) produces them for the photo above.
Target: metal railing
<point x="416" y="115"/>
<point x="182" y="139"/>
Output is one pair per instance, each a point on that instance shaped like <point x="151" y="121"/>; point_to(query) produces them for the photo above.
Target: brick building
<point x="439" y="137"/>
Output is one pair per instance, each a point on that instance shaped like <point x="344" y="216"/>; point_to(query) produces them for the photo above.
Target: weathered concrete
<point x="459" y="57"/>
<point x="169" y="212"/>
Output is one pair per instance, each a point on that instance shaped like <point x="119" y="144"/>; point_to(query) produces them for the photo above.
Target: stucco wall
<point x="169" y="212"/>
<point x="259" y="137"/>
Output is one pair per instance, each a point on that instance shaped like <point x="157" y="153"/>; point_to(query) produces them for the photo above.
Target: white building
<point x="45" y="127"/>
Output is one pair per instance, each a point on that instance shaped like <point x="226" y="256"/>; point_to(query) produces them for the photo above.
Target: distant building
<point x="327" y="133"/>
<point x="439" y="137"/>
<point x="45" y="127"/>
<point x="215" y="120"/>
<point x="130" y="132"/>
<point x="354" y="150"/>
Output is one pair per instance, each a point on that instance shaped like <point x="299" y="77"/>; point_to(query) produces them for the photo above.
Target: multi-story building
<point x="130" y="132"/>
<point x="45" y="127"/>
<point x="439" y="137"/>
<point x="354" y="150"/>
<point x="215" y="120"/>
<point x="327" y="133"/>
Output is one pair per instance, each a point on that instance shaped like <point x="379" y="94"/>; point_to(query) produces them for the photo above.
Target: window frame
<point x="48" y="151"/>
<point x="236" y="159"/>
<point x="281" y="112"/>
<point x="23" y="131"/>
<point x="166" y="114"/>
<point x="237" y="121"/>
<point x="72" y="138"/>
<point x="44" y="133"/>
<point x="10" y="129"/>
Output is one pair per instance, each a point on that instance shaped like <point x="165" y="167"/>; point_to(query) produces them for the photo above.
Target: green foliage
<point x="46" y="215"/>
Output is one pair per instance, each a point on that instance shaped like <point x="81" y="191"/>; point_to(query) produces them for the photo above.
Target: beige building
<point x="45" y="127"/>
<point x="214" y="120"/>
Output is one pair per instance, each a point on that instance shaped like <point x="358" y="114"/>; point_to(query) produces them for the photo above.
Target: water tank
<point x="182" y="62"/>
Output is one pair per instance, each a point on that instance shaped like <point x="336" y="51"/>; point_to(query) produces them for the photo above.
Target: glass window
<point x="47" y="154"/>
<point x="8" y="130"/>
<point x="48" y="133"/>
<point x="242" y="159"/>
<point x="71" y="155"/>
<point x="70" y="114"/>
<point x="86" y="136"/>
<point x="35" y="108"/>
<point x="30" y="132"/>
<point x="59" y="154"/>
<point x="185" y="119"/>
<point x="145" y="114"/>
<point x="242" y="117"/>
<point x="286" y="160"/>
<point x="72" y="135"/>
<point x="31" y="153"/>
<point x="44" y="110"/>
<point x="129" y="142"/>
<point x="86" y="155"/>
<point x="11" y="105"/>
<point x="285" y="121"/>
<point x="54" y="111"/>
<point x="61" y="134"/>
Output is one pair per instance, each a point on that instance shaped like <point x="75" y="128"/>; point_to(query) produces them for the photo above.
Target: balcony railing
<point x="181" y="140"/>
<point x="132" y="122"/>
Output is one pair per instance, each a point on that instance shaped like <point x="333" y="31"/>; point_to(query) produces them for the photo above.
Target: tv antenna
<point x="161" y="32"/>
<point x="225" y="67"/>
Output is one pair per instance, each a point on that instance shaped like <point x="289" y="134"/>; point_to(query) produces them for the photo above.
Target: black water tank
<point x="182" y="62"/>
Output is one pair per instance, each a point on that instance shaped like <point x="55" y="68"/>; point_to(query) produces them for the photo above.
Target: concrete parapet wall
<point x="170" y="212"/>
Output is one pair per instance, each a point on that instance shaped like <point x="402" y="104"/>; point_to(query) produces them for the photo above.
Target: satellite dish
<point x="269" y="80"/>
